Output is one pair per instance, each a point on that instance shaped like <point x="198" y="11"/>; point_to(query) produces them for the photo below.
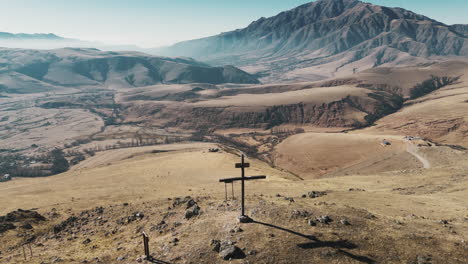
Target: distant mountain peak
<point x="41" y="36"/>
<point x="342" y="35"/>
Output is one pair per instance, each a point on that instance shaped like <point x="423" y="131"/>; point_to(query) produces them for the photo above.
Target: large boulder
<point x="192" y="211"/>
<point x="231" y="252"/>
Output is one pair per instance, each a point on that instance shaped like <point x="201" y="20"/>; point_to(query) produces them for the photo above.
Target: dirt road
<point x="413" y="150"/>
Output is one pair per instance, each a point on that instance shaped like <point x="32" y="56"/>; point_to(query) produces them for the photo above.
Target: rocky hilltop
<point x="343" y="36"/>
<point x="26" y="71"/>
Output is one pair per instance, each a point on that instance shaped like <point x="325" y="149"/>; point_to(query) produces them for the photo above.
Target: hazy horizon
<point x="157" y="23"/>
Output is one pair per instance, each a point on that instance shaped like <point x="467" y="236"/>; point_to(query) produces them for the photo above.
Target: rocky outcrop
<point x="20" y="218"/>
<point x="460" y="29"/>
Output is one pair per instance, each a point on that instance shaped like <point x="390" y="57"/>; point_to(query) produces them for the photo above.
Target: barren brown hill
<point x="34" y="71"/>
<point x="441" y="116"/>
<point x="350" y="102"/>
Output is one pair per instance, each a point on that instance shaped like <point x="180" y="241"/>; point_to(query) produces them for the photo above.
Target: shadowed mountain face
<point x="25" y="71"/>
<point x="342" y="34"/>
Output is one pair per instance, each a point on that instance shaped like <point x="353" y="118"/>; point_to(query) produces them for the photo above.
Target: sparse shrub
<point x="299" y="130"/>
<point x="90" y="152"/>
<point x="431" y="85"/>
<point x="77" y="159"/>
<point x="60" y="163"/>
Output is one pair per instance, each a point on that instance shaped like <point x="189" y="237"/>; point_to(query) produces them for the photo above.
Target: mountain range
<point x="315" y="41"/>
<point x="329" y="38"/>
<point x="53" y="41"/>
<point x="24" y="36"/>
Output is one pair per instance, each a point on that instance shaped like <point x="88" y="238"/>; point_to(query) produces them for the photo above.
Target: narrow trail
<point x="412" y="149"/>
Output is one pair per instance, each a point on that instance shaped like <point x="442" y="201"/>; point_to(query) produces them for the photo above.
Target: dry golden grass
<point x="128" y="174"/>
<point x="314" y="95"/>
<point x="407" y="206"/>
<point x="312" y="155"/>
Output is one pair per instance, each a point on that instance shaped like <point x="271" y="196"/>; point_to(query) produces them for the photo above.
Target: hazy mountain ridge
<point x="24" y="71"/>
<point x="39" y="36"/>
<point x="47" y="41"/>
<point x="335" y="32"/>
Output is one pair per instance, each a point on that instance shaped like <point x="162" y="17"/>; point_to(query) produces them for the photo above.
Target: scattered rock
<point x="216" y="244"/>
<point x="178" y="201"/>
<point x="86" y="241"/>
<point x="121" y="258"/>
<point x="423" y="260"/>
<point x="311" y="222"/>
<point x="126" y="220"/>
<point x="99" y="210"/>
<point x="191" y="203"/>
<point x="236" y="230"/>
<point x="356" y="190"/>
<point x="370" y="216"/>
<point x="192" y="211"/>
<point x="231" y="252"/>
<point x="139" y="215"/>
<point x="315" y="194"/>
<point x="160" y="226"/>
<point x="252" y="252"/>
<point x="65" y="224"/>
<point x="56" y="260"/>
<point x="344" y="222"/>
<point x="125" y="204"/>
<point x="444" y="222"/>
<point x="324" y="219"/>
<point x="300" y="213"/>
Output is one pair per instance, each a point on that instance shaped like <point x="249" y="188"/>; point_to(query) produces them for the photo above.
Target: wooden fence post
<point x="146" y="245"/>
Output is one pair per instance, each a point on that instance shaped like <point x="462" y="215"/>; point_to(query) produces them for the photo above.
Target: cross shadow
<point x="156" y="261"/>
<point x="310" y="237"/>
<point x="316" y="243"/>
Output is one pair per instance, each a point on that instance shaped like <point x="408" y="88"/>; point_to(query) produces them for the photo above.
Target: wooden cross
<point x="242" y="165"/>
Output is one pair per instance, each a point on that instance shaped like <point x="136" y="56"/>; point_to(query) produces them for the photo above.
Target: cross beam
<point x="229" y="180"/>
<point x="242" y="165"/>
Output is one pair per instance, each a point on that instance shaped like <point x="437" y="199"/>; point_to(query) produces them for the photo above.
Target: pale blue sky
<point x="151" y="23"/>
